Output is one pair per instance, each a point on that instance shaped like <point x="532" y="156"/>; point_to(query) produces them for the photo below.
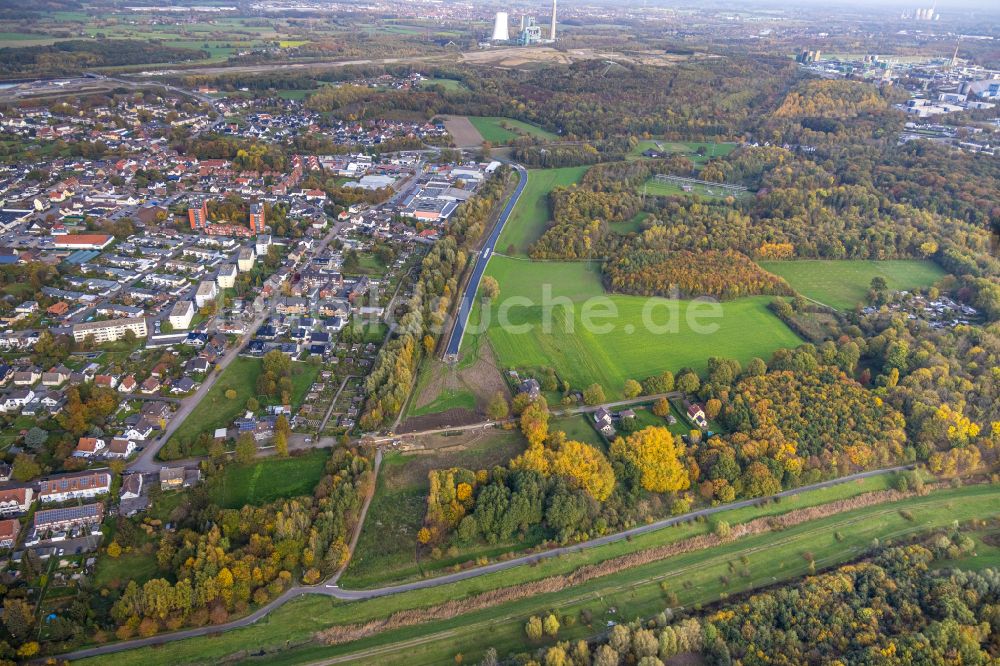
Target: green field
<point x="499" y="131"/>
<point x="578" y="428"/>
<point x="697" y="577"/>
<point x="628" y="349"/>
<point x="450" y="85"/>
<point x="531" y="214"/>
<point x="842" y="284"/>
<point x="269" y="479"/>
<point x="686" y="148"/>
<point x="655" y="188"/>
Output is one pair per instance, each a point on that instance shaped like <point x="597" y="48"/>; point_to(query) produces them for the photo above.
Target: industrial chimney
<point x="500" y="33"/>
<point x="552" y="30"/>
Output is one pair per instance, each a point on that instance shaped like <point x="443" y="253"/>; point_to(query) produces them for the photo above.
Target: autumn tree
<point x="632" y="389"/>
<point x="662" y="408"/>
<point x="490" y="287"/>
<point x="535" y="422"/>
<point x="657" y="457"/>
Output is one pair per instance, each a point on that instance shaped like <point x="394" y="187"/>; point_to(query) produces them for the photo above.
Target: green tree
<point x="246" y="448"/>
<point x="25" y="467"/>
<point x="497" y="408"/>
<point x="18" y="617"/>
<point x="594" y="394"/>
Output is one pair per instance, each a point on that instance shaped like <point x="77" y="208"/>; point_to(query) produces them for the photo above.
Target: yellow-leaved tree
<point x="586" y="465"/>
<point x="658" y="458"/>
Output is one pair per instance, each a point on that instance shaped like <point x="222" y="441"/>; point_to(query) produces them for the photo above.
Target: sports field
<point x="590" y="336"/>
<point x="531" y="215"/>
<point x="842" y="284"/>
<point x="504" y="130"/>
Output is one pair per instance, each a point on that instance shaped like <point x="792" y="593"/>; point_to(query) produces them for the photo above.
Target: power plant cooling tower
<point x="500" y="33"/>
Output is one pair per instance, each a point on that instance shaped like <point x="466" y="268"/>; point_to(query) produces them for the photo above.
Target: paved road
<point x="469" y="298"/>
<point x="331" y="589"/>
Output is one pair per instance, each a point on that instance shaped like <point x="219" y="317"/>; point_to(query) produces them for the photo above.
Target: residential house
<point x="110" y="330"/>
<point x="8" y="532"/>
<point x="245" y="259"/>
<point x="16" y="400"/>
<point x="206" y="293"/>
<point x="603" y="422"/>
<point x="56" y="376"/>
<point x="150" y="386"/>
<point x="226" y="278"/>
<point x="105" y="381"/>
<point x="697" y="415"/>
<point x="171" y="477"/>
<point x="131" y="486"/>
<point x="88" y="447"/>
<point x="74" y="486"/>
<point x="181" y="315"/>
<point x="15" y="501"/>
<point x="531" y="387"/>
<point x="119" y="447"/>
<point x="183" y="385"/>
<point x="128" y="384"/>
<point x="27" y="377"/>
<point x="68" y="517"/>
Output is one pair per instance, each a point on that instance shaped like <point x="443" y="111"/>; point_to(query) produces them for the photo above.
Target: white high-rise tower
<point x="500" y="33"/>
<point x="552" y="29"/>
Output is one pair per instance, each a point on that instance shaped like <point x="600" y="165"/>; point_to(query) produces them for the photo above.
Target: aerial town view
<point x="527" y="333"/>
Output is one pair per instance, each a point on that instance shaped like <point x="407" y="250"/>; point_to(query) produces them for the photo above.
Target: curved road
<point x="469" y="298"/>
<point x="331" y="588"/>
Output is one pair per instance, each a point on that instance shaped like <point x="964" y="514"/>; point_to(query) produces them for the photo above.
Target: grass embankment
<point x="531" y="214"/>
<point x="696" y="577"/>
<point x="842" y="284"/>
<point x="500" y="131"/>
<point x="619" y="345"/>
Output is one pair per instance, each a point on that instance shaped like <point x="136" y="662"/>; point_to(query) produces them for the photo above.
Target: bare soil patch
<point x="462" y="131"/>
<point x="445" y="419"/>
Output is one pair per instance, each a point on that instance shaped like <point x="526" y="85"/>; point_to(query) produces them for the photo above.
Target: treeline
<point x="427" y="310"/>
<point x="74" y="55"/>
<point x="897" y="608"/>
<point x="650" y="272"/>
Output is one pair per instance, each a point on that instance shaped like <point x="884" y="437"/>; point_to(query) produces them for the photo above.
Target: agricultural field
<point x="386" y="550"/>
<point x="627" y="349"/>
<point x="269" y="479"/>
<point x="697" y="577"/>
<point x="499" y="131"/>
<point x="842" y="284"/>
<point x="531" y="215"/>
